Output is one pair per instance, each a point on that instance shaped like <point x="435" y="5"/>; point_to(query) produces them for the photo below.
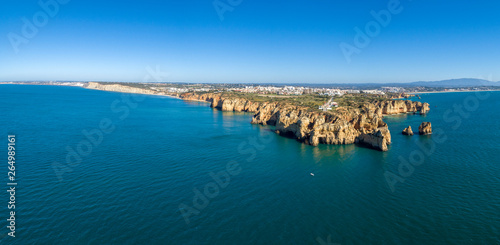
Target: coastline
<point x="164" y="95"/>
<point x="107" y="90"/>
<point x="125" y="89"/>
<point x="361" y="126"/>
<point x="360" y="123"/>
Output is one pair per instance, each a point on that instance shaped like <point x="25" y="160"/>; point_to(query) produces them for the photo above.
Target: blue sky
<point x="257" y="41"/>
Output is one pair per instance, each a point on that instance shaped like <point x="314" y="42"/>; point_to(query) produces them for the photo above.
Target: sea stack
<point x="425" y="128"/>
<point x="408" y="131"/>
<point x="424" y="109"/>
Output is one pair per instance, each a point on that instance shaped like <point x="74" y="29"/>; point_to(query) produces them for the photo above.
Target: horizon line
<point x="284" y="83"/>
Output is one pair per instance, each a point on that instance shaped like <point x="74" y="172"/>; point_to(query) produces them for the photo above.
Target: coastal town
<point x="273" y="89"/>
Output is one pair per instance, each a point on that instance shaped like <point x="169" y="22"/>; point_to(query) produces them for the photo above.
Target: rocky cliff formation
<point x="408" y="131"/>
<point x="120" y="88"/>
<point x="403" y="106"/>
<point x="401" y="96"/>
<point x="425" y="128"/>
<point x="362" y="125"/>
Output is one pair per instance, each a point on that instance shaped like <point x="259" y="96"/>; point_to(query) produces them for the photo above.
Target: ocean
<point x="96" y="167"/>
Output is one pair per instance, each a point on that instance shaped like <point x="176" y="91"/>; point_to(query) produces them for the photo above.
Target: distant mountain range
<point x="451" y="83"/>
<point x="463" y="82"/>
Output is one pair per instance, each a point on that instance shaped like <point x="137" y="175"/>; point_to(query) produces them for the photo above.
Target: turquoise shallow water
<point x="129" y="187"/>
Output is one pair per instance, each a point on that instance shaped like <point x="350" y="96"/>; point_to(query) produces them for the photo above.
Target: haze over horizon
<point x="251" y="42"/>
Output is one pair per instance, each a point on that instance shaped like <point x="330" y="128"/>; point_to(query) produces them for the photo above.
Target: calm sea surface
<point x="157" y="160"/>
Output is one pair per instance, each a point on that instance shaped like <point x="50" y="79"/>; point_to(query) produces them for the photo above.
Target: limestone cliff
<point x="401" y="96"/>
<point x="403" y="106"/>
<point x="362" y="125"/>
<point x="120" y="88"/>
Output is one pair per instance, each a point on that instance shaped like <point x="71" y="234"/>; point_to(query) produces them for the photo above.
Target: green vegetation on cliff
<point x="313" y="101"/>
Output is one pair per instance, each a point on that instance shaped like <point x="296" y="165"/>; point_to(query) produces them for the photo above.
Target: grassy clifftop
<point x="309" y="100"/>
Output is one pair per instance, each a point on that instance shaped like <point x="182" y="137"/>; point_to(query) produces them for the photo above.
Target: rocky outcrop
<point x="364" y="125"/>
<point x="403" y="106"/>
<point x="401" y="96"/>
<point x="425" y="128"/>
<point x="377" y="140"/>
<point x="408" y="131"/>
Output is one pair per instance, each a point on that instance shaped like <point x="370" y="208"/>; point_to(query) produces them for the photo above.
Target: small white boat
<point x="312" y="174"/>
